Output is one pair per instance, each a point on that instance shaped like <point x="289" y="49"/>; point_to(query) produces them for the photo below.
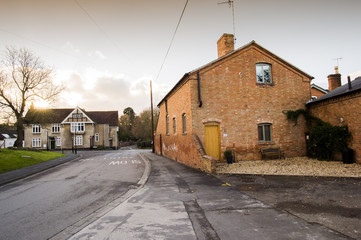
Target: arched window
<point x="264" y="73"/>
<point x="184" y="123"/>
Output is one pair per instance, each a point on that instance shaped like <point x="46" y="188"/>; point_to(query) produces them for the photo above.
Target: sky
<point x="106" y="51"/>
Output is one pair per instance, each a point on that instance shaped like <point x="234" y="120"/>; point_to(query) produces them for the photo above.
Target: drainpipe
<point x="199" y="89"/>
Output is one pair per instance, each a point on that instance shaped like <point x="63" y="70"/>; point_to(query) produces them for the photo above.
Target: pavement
<point x="33" y="169"/>
<point x="178" y="202"/>
<point x="174" y="201"/>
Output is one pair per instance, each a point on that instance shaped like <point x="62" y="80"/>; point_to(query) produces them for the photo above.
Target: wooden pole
<point x="151" y="110"/>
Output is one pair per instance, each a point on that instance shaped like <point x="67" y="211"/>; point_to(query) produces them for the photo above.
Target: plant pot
<point x="229" y="159"/>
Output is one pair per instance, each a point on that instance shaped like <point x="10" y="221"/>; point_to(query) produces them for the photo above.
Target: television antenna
<point x="231" y="4"/>
<point x="337" y="60"/>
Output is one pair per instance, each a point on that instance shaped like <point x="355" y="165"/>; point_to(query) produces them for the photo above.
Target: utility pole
<point x="151" y="110"/>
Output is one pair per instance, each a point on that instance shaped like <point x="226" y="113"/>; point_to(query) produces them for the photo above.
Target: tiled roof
<point x="340" y="91"/>
<point x="57" y="115"/>
<point x="104" y="117"/>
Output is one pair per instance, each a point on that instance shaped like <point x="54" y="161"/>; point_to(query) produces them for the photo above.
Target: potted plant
<point x="229" y="156"/>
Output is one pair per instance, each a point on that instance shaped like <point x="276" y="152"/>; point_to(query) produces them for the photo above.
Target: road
<point x="55" y="202"/>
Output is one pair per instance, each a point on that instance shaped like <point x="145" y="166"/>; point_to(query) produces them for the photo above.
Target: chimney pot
<point x="225" y="44"/>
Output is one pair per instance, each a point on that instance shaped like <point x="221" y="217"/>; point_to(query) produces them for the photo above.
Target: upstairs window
<point x="55" y="128"/>
<point x="37" y="128"/>
<point x="264" y="73"/>
<point x="184" y="123"/>
<point x="167" y="124"/>
<point x="77" y="127"/>
<point x="174" y="126"/>
<point x="265" y="132"/>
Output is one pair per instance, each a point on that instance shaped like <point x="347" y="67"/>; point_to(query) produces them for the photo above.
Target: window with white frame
<point x="36" y="142"/>
<point x="36" y="128"/>
<point x="264" y="73"/>
<point x="78" y="141"/>
<point x="58" y="141"/>
<point x="55" y="128"/>
<point x="97" y="137"/>
<point x="184" y="123"/>
<point x="77" y="127"/>
<point x="174" y="126"/>
<point x="265" y="132"/>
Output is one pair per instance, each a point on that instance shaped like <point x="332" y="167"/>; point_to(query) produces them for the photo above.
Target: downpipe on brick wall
<point x="199" y="89"/>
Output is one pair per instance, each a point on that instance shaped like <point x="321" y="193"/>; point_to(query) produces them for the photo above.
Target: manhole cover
<point x="247" y="179"/>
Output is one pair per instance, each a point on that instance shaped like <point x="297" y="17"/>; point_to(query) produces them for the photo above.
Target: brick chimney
<point x="225" y="44"/>
<point x="334" y="80"/>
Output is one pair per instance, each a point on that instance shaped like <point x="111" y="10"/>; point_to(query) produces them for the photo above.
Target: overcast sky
<point x="107" y="51"/>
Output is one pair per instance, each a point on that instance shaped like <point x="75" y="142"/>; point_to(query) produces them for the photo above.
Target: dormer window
<point x="264" y="73"/>
<point x="77" y="127"/>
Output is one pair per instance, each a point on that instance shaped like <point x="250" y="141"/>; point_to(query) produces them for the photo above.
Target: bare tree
<point x="24" y="78"/>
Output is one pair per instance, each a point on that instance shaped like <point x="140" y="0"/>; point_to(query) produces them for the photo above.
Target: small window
<point x="97" y="137"/>
<point x="167" y="125"/>
<point x="58" y="141"/>
<point x="78" y="140"/>
<point x="265" y="132"/>
<point x="184" y="123"/>
<point x="55" y="128"/>
<point x="174" y="126"/>
<point x="36" y="142"/>
<point x="264" y="73"/>
<point x="36" y="128"/>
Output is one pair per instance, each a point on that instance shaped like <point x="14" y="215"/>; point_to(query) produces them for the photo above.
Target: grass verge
<point x="15" y="159"/>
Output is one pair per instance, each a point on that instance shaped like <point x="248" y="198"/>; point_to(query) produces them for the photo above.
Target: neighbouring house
<point x="70" y="128"/>
<point x="236" y="102"/>
<point x="341" y="107"/>
<point x="317" y="91"/>
<point x="7" y="138"/>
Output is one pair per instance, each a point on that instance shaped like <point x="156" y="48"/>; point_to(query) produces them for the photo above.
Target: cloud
<point x="102" y="90"/>
<point x="69" y="46"/>
<point x="97" y="54"/>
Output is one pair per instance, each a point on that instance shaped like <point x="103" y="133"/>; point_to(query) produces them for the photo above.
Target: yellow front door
<point x="212" y="141"/>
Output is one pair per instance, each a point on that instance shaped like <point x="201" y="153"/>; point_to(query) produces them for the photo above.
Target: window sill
<point x="265" y="84"/>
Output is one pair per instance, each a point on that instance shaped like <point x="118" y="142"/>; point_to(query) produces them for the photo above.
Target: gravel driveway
<point x="326" y="193"/>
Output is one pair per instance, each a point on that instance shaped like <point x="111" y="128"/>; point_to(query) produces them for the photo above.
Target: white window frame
<point x="55" y="128"/>
<point x="260" y="68"/>
<point x="262" y="137"/>
<point x="77" y="127"/>
<point x="36" y="142"/>
<point x="58" y="141"/>
<point x="36" y="128"/>
<point x="78" y="140"/>
<point x="96" y="137"/>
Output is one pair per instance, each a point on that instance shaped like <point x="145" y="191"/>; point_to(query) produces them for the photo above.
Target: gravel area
<point x="300" y="166"/>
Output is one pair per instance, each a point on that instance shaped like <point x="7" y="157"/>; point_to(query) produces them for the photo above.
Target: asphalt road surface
<point x="53" y="203"/>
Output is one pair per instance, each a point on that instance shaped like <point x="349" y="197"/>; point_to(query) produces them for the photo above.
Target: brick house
<point x="317" y="91"/>
<point x="69" y="128"/>
<point x="235" y="102"/>
<point x="340" y="107"/>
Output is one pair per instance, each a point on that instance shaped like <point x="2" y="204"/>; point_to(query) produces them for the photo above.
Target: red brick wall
<point x="343" y="111"/>
<point x="232" y="97"/>
<point x="317" y="93"/>
<point x="239" y="104"/>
